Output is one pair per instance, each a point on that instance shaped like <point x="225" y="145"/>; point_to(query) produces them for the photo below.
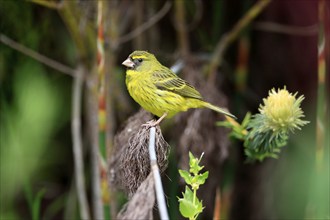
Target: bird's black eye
<point x="140" y="60"/>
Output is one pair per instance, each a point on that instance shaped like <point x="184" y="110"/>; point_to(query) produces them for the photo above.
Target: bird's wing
<point x="166" y="80"/>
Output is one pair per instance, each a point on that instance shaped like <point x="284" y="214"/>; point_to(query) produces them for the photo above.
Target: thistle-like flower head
<point x="282" y="112"/>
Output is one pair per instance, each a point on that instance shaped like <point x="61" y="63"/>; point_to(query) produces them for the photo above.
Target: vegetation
<point x="190" y="205"/>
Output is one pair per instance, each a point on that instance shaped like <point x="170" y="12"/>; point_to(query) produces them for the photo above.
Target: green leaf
<point x="199" y="180"/>
<point x="36" y="204"/>
<point x="186" y="176"/>
<point x="224" y="124"/>
<point x="202" y="177"/>
<point x="187" y="208"/>
<point x="199" y="206"/>
<point x="194" y="164"/>
<point x="191" y="156"/>
<point x="246" y="120"/>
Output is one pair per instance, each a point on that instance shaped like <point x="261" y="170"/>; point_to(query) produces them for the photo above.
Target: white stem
<point x="155" y="170"/>
<point x="77" y="144"/>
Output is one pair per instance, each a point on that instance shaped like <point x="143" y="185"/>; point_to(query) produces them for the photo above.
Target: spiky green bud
<point x="282" y="111"/>
<point x="268" y="131"/>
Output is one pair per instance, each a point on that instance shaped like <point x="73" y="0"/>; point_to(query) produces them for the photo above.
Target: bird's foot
<point x="154" y="123"/>
<point x="151" y="123"/>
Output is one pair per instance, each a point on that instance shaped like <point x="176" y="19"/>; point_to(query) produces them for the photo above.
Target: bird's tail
<point x="218" y="109"/>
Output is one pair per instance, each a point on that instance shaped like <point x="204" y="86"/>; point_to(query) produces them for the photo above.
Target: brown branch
<point x="95" y="154"/>
<point x="98" y="212"/>
<point x="77" y="143"/>
<point x="37" y="56"/>
<point x="321" y="110"/>
<point x="310" y="30"/>
<point x="92" y="116"/>
<point x="110" y="121"/>
<point x="70" y="208"/>
<point x="198" y="15"/>
<point x="49" y="4"/>
<point x="153" y="20"/>
<point x="181" y="28"/>
<point x="80" y="29"/>
<point x="82" y="35"/>
<point x="217" y="205"/>
<point x="139" y="40"/>
<point x="229" y="38"/>
<point x="93" y="132"/>
<point x="112" y="17"/>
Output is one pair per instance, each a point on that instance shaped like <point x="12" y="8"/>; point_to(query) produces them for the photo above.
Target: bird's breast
<point x="157" y="101"/>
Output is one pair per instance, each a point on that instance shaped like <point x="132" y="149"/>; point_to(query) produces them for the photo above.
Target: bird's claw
<point x="149" y="124"/>
<point x="154" y="123"/>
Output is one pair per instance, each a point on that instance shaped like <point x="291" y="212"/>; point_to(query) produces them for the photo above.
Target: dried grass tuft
<point x="130" y="165"/>
<point x="142" y="203"/>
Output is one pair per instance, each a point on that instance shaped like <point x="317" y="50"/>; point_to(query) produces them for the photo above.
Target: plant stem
<point x="95" y="151"/>
<point x="194" y="201"/>
<point x="321" y="90"/>
<point x="37" y="56"/>
<point x="155" y="170"/>
<point x="194" y="198"/>
<point x="77" y="143"/>
<point x="111" y="33"/>
<point x="181" y="28"/>
<point x="231" y="36"/>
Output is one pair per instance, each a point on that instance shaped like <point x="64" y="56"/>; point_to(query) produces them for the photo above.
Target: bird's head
<point x="141" y="61"/>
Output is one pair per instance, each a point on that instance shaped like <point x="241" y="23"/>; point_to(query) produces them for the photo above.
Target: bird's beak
<point x="128" y="62"/>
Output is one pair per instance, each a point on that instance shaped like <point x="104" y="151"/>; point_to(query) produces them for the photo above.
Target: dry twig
<point x="111" y="21"/>
<point x="142" y="203"/>
<point x="181" y="28"/>
<point x="96" y="155"/>
<point x="310" y="30"/>
<point x="153" y="20"/>
<point x="77" y="143"/>
<point x="230" y="37"/>
<point x="37" y="56"/>
<point x="49" y="4"/>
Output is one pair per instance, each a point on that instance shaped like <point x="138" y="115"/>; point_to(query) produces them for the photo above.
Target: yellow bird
<point x="160" y="91"/>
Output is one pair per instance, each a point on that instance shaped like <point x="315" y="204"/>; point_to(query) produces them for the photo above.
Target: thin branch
<point x="198" y="15"/>
<point x="93" y="131"/>
<point x="139" y="40"/>
<point x="153" y="20"/>
<point x="230" y="37"/>
<point x="217" y="205"/>
<point x="155" y="170"/>
<point x="181" y="28"/>
<point x="70" y="208"/>
<point x="49" y="4"/>
<point x="37" y="56"/>
<point x="177" y="66"/>
<point x="310" y="30"/>
<point x="111" y="19"/>
<point x="77" y="143"/>
<point x="96" y="160"/>
<point x="96" y="156"/>
<point x="321" y="117"/>
<point x="83" y="35"/>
